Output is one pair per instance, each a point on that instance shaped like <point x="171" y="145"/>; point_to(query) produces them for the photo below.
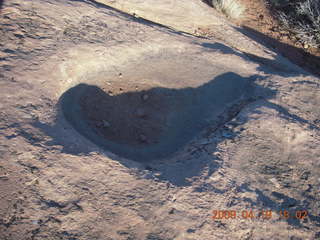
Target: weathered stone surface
<point x="250" y="142"/>
<point x="198" y="19"/>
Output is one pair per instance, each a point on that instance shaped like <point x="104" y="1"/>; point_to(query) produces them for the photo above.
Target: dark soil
<point x="130" y="118"/>
<point x="144" y="122"/>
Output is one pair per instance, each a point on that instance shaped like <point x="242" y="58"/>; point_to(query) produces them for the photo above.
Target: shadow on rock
<point x="289" y="209"/>
<point x="151" y="124"/>
<point x="296" y="55"/>
<point x="275" y="66"/>
<point x="155" y="123"/>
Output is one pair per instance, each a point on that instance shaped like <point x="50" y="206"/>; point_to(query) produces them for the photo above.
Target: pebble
<point x="33" y="182"/>
<point x="275" y="182"/>
<point x="106" y="123"/>
<point x="145" y="97"/>
<point x="172" y="211"/>
<point x="142" y="138"/>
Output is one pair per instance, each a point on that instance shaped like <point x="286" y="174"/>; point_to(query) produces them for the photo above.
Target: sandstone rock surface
<point x="228" y="125"/>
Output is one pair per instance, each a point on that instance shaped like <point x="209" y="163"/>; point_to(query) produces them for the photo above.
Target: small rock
<point x="142" y="138"/>
<point x="172" y="211"/>
<point x="33" y="182"/>
<point x="145" y="97"/>
<point x="275" y="182"/>
<point x="305" y="46"/>
<point x="105" y="123"/>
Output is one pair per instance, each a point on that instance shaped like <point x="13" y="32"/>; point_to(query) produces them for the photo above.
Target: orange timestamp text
<point x="262" y="214"/>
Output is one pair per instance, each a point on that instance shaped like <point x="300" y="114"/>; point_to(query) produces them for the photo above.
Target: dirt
<point x="121" y="115"/>
<point x="261" y="22"/>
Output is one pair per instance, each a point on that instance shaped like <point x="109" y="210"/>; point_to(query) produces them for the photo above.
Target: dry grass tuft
<point x="231" y="8"/>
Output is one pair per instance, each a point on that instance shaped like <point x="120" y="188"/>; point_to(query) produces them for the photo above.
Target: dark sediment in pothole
<point x="142" y="122"/>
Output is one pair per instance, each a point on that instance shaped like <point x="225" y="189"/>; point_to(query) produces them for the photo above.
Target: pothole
<point x="145" y="121"/>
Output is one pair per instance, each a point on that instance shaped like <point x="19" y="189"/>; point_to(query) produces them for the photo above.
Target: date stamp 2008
<point x="262" y="214"/>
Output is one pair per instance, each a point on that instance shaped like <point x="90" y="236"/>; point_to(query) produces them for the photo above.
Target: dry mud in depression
<point x="142" y="121"/>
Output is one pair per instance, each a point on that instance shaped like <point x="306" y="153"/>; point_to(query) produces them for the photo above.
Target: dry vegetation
<point x="231" y="8"/>
<point x="302" y="18"/>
